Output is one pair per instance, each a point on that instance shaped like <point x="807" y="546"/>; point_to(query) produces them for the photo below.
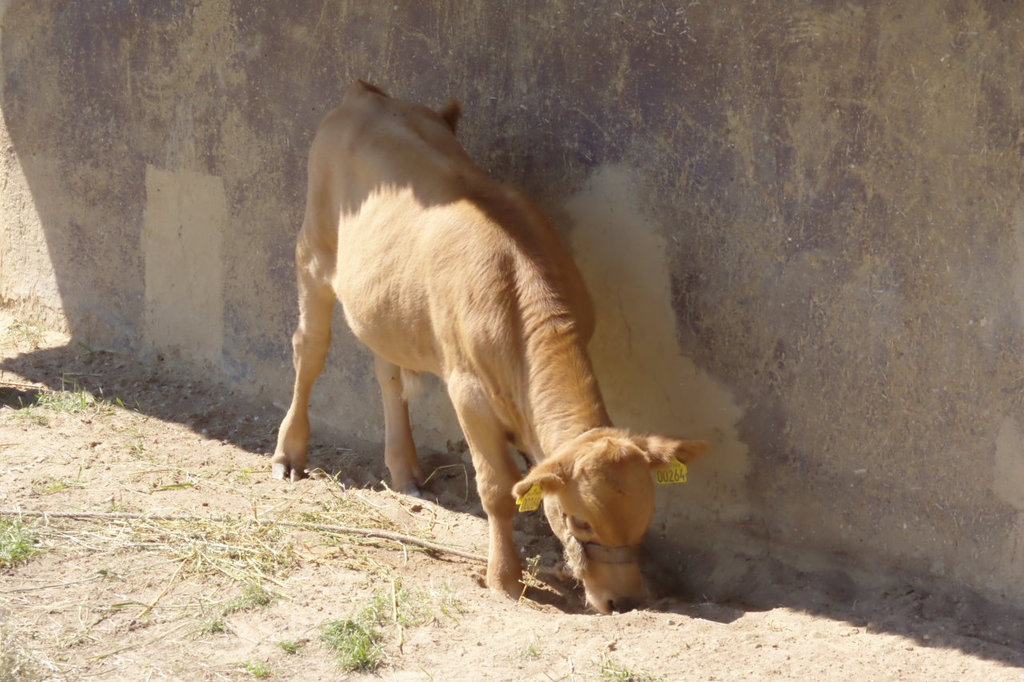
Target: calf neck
<point x="439" y="269"/>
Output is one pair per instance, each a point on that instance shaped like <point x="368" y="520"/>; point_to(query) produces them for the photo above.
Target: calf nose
<point x="622" y="604"/>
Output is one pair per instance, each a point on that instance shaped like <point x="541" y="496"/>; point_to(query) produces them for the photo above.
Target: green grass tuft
<point x="16" y="543"/>
<point x="257" y="669"/>
<point x="290" y="646"/>
<point x="47" y="485"/>
<point x="618" y="673"/>
<point x="397" y="605"/>
<point x="357" y="646"/>
<point x="253" y="596"/>
<point x="357" y="641"/>
<point x="215" y="626"/>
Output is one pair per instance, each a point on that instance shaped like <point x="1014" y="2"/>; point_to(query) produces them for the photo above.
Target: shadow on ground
<point x="947" y="618"/>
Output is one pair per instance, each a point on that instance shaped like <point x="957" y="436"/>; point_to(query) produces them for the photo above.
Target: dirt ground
<point x="159" y="548"/>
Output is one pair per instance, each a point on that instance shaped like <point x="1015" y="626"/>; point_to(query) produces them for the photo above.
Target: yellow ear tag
<point x="531" y="500"/>
<point x="674" y="473"/>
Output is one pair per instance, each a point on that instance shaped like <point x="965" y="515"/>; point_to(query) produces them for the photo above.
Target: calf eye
<point x="579" y="525"/>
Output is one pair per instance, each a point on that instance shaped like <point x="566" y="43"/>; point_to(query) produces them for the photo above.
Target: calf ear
<point x="659" y="450"/>
<point x="550" y="475"/>
<point x="451" y="113"/>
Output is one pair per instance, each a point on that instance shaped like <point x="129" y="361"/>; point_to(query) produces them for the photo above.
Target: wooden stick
<point x="21" y="384"/>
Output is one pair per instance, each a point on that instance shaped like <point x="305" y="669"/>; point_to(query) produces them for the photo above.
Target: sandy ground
<point x="163" y="550"/>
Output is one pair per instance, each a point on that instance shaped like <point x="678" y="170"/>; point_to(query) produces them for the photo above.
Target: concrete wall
<point x="802" y="222"/>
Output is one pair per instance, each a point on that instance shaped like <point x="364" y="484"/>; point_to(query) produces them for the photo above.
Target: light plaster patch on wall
<point x="1008" y="467"/>
<point x="182" y="238"/>
<point x="1012" y="566"/>
<point x="1008" y="472"/>
<point x="1018" y="275"/>
<point x="648" y="384"/>
<point x="1008" y="484"/>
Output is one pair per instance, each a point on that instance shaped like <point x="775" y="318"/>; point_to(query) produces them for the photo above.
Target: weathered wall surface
<point x="802" y="221"/>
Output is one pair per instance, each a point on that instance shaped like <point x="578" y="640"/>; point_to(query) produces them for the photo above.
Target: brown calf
<point x="439" y="269"/>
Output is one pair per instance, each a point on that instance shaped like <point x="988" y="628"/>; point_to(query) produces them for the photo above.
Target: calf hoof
<point x="410" y="489"/>
<point x="285" y="472"/>
<point x="514" y="591"/>
<point x="512" y="588"/>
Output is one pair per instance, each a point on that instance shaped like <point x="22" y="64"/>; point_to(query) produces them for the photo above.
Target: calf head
<point x="599" y="500"/>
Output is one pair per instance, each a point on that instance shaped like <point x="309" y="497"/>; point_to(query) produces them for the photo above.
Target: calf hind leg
<point x="310" y="341"/>
<point x="399" y="449"/>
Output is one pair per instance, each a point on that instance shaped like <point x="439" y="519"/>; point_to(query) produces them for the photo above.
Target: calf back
<point x="437" y="267"/>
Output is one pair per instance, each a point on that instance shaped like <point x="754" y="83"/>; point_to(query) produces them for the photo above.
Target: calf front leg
<point x="496" y="473"/>
<point x="399" y="449"/>
<point x="309" y="343"/>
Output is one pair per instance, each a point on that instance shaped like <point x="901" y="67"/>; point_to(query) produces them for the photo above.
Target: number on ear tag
<point x="531" y="500"/>
<point x="674" y="473"/>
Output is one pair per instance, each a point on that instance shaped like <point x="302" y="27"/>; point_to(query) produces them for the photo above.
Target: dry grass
<point x="240" y="563"/>
<point x="113" y="580"/>
<point x="18" y="662"/>
<point x="242" y="548"/>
